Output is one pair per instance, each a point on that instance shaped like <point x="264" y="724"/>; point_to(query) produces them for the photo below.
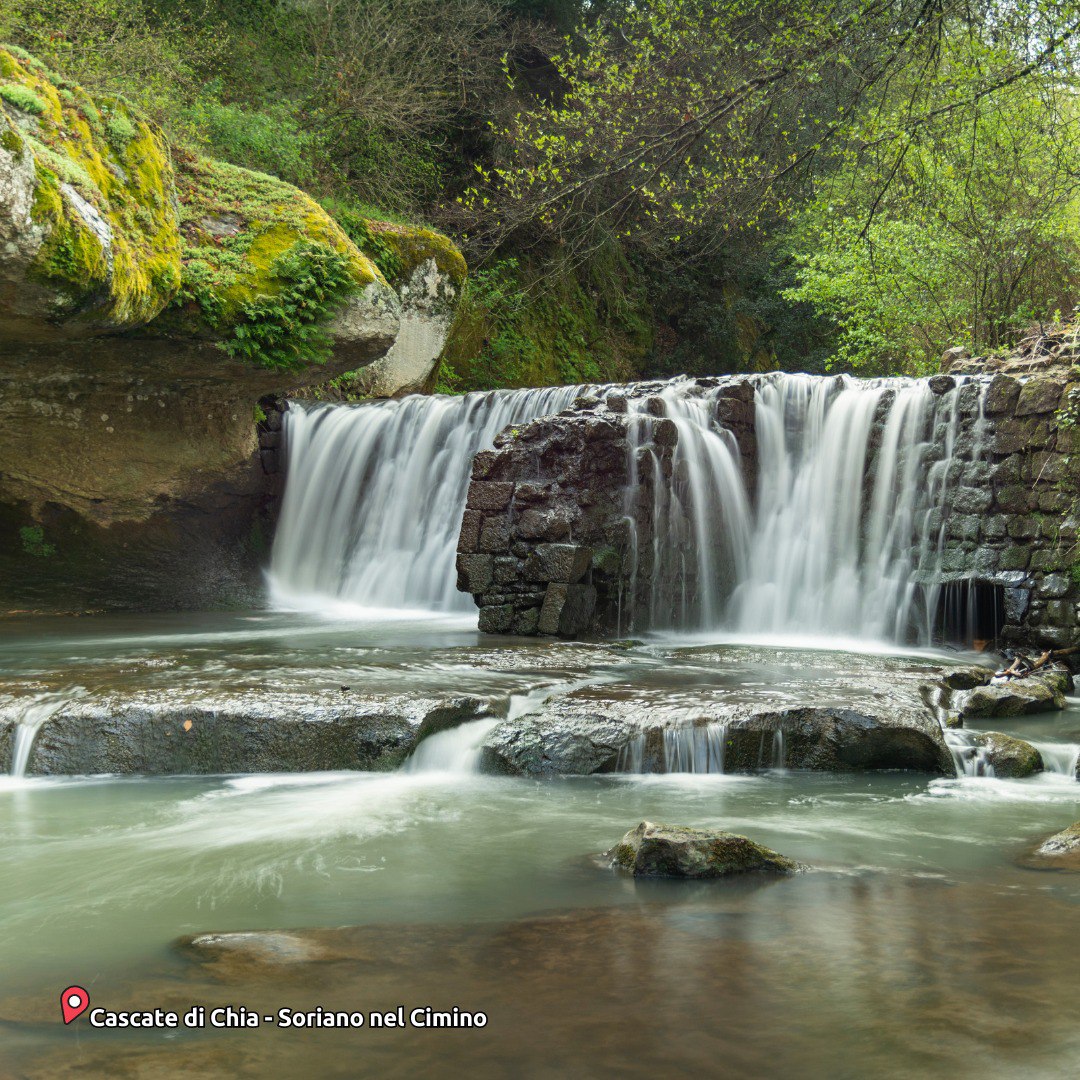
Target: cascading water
<point x="852" y="488"/>
<point x="29" y="714"/>
<point x="845" y="531"/>
<point x="375" y="493"/>
<point x="842" y="533"/>
<point x="700" y="515"/>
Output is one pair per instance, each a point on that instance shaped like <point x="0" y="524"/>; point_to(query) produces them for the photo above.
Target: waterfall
<point x="374" y="496"/>
<point x="28" y="714"/>
<point x="700" y="515"/>
<point x="835" y="526"/>
<point x="851" y="506"/>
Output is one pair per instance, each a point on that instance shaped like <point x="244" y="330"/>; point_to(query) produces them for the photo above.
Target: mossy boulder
<point x="88" y="218"/>
<point x="105" y="228"/>
<point x="1041" y="691"/>
<point x="676" y="851"/>
<point x="1011" y="759"/>
<point x="253" y="248"/>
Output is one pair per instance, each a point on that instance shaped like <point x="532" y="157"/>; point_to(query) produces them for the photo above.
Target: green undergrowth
<point x="515" y="328"/>
<point x="265" y="266"/>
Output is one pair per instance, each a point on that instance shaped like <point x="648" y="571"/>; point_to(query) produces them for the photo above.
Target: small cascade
<point x="1060" y="758"/>
<point x="30" y="714"/>
<point x="700" y="516"/>
<point x="691" y="748"/>
<point x="375" y="493"/>
<point x="455" y="751"/>
<point x="969" y="758"/>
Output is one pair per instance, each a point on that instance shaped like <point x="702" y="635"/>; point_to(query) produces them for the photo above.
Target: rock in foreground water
<point x="1041" y="691"/>
<point x="676" y="851"/>
<point x="1058" y="852"/>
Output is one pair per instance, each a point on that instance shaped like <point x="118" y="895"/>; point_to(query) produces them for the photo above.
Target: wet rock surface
<point x="702" y="720"/>
<point x="1058" y="852"/>
<point x="1041" y="691"/>
<point x="253" y="732"/>
<point x="1010" y="758"/>
<point x="677" y="851"/>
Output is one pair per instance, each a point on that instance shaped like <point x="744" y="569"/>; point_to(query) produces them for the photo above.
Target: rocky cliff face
<point x="149" y="299"/>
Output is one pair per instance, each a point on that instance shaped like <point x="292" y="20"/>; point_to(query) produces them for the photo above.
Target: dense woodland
<point x="647" y="189"/>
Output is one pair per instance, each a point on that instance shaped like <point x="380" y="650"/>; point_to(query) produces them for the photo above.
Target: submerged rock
<point x="676" y="851"/>
<point x="1058" y="852"/>
<point x="1012" y="759"/>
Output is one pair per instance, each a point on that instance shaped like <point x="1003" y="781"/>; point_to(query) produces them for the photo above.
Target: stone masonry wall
<point x="549" y="536"/>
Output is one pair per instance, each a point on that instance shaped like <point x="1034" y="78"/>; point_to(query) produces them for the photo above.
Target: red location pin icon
<point x="74" y="1001"/>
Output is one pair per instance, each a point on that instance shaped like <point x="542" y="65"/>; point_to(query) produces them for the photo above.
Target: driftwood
<point x="1022" y="665"/>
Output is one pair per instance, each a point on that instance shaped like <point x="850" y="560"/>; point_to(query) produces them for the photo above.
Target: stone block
<point x="483" y="463"/>
<point x="1023" y="527"/>
<point x="1051" y="560"/>
<point x="506" y="570"/>
<point x="489" y="495"/>
<point x="1013" y="499"/>
<point x="558" y="562"/>
<point x="1061" y="613"/>
<point x="469" y="537"/>
<point x="994" y="527"/>
<point x="942" y="384"/>
<point x="496" y="619"/>
<point x="665" y="433"/>
<point x="1017" y="602"/>
<point x="1016" y="557"/>
<point x="1041" y="394"/>
<point x="1054" y="586"/>
<point x="527" y="621"/>
<point x="475" y="573"/>
<point x="971" y="500"/>
<point x="731" y="412"/>
<point x="1001" y="395"/>
<point x="964" y="526"/>
<point x="741" y="390"/>
<point x="494" y="535"/>
<point x="536" y="524"/>
<point x="567" y="609"/>
<point x="1015" y="434"/>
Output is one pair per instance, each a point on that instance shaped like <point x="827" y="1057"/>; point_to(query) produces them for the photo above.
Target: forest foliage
<point x="677" y="185"/>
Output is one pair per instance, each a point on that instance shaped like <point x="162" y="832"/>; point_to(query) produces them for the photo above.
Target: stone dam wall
<point x="557" y="536"/>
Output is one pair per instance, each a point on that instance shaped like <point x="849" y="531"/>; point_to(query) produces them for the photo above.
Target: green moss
<point x="22" y="97"/>
<point x="34" y="543"/>
<point x="10" y="141"/>
<point x="128" y="182"/>
<point x="238" y="226"/>
<point x="120" y="129"/>
<point x="514" y="329"/>
<point x="288" y="328"/>
<point x="410" y="246"/>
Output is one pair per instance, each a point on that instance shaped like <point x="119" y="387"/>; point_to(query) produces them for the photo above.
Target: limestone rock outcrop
<point x="149" y="299"/>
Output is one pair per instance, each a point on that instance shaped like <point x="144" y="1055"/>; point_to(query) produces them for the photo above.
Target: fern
<point x="289" y="329"/>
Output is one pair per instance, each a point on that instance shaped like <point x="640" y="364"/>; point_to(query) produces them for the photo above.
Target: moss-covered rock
<point x="1011" y="759"/>
<point x="249" y="240"/>
<point x="105" y="228"/>
<point x="675" y="851"/>
<point x="87" y="209"/>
